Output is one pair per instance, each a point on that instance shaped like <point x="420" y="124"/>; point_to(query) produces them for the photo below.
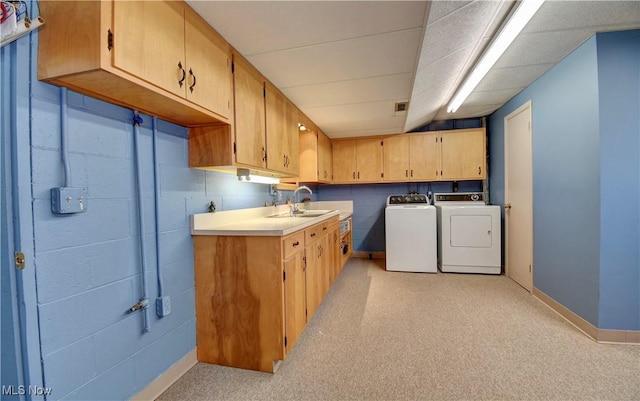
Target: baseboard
<point x="170" y="376"/>
<point x="368" y="255"/>
<point x="591" y="331"/>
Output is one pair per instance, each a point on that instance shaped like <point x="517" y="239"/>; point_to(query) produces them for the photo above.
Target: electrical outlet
<point x="66" y="200"/>
<point x="163" y="306"/>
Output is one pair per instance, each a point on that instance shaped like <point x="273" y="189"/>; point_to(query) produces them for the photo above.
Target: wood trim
<point x="166" y="379"/>
<point x="591" y="331"/>
<point x="365" y="254"/>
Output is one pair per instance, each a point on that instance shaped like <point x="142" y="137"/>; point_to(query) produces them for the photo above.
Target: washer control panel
<point x="409" y="198"/>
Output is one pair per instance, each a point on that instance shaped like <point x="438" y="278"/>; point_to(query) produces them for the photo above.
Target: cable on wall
<point x="144" y="301"/>
<point x="163" y="303"/>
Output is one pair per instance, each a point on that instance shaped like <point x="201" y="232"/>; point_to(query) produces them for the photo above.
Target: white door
<point x="518" y="196"/>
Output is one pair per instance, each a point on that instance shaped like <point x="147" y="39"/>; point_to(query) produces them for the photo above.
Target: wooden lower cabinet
<point x="255" y="294"/>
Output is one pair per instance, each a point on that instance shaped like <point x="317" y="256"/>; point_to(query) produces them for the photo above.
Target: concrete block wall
<point x="88" y="264"/>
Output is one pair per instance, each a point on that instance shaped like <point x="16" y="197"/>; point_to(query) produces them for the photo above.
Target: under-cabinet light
<point x="525" y="11"/>
<point x="245" y="175"/>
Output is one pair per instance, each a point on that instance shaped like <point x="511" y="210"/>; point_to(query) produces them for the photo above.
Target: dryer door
<point x="471" y="231"/>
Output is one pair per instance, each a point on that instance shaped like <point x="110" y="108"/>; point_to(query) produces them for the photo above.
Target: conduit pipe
<point x="156" y="190"/>
<point x="64" y="137"/>
<point x="144" y="302"/>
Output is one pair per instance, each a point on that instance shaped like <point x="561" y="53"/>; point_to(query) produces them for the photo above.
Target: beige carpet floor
<point x="405" y="336"/>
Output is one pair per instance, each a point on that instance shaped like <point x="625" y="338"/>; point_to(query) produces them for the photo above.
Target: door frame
<point x="523" y="108"/>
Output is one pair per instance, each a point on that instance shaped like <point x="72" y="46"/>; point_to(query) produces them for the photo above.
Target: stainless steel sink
<point x="301" y="213"/>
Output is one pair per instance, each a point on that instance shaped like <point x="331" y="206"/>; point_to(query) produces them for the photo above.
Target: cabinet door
<point x="208" y="63"/>
<point x="462" y="154"/>
<point x="295" y="302"/>
<point x="325" y="168"/>
<point x="249" y="115"/>
<point x="151" y="49"/>
<point x="396" y="158"/>
<point x="313" y="277"/>
<point x="423" y="157"/>
<point x="292" y="140"/>
<point x="369" y="160"/>
<point x="344" y="161"/>
<point x="334" y="239"/>
<point x="276" y="115"/>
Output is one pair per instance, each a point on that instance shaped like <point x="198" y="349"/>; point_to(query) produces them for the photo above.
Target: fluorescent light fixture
<point x="245" y="175"/>
<point x="525" y="11"/>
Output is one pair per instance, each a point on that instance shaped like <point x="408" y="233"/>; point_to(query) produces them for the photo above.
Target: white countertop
<point x="254" y="222"/>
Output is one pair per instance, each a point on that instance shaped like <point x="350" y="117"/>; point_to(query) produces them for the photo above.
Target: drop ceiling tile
<point x="512" y="77"/>
<point x="430" y="75"/>
<point x="564" y="15"/>
<point x="387" y="87"/>
<point x="493" y="97"/>
<point x="458" y="29"/>
<point x="262" y="26"/>
<point x="440" y="9"/>
<point x="467" y="112"/>
<point x="534" y="48"/>
<point x="357" y="117"/>
<point x="385" y="54"/>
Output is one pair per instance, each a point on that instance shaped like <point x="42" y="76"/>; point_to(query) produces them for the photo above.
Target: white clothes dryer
<point x="469" y="234"/>
<point x="410" y="234"/>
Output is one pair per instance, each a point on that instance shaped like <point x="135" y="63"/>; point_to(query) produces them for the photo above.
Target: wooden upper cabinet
<point x="208" y="69"/>
<point x="369" y="160"/>
<point x="250" y="140"/>
<point x="463" y="154"/>
<point x="155" y="55"/>
<point x="137" y="54"/>
<point x="281" y="132"/>
<point x="325" y="159"/>
<point x="357" y="160"/>
<point x="344" y="161"/>
<point x="396" y="158"/>
<point x="315" y="153"/>
<point x="423" y="157"/>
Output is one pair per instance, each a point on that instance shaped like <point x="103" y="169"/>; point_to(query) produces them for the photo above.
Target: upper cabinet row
<point x="157" y="57"/>
<point x="161" y="58"/>
<point x="454" y="155"/>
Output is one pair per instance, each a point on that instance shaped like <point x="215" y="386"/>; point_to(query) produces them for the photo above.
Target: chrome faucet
<point x="294" y="208"/>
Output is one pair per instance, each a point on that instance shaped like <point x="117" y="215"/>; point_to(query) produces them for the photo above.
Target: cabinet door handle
<point x="354" y="175"/>
<point x="406" y="173"/>
<point x="479" y="170"/>
<point x="324" y="228"/>
<point x="313" y="234"/>
<point x="184" y="74"/>
<point x="194" y="80"/>
<point x="358" y="175"/>
<point x="296" y="244"/>
<point x="411" y="173"/>
<point x="284" y="160"/>
<point x="264" y="154"/>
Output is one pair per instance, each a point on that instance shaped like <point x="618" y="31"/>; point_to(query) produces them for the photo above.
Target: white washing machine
<point x="410" y="234"/>
<point x="469" y="235"/>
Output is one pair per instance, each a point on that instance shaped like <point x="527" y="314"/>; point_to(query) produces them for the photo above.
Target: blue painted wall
<point x="568" y="167"/>
<point x="87" y="265"/>
<point x="369" y="201"/>
<point x="619" y="95"/>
